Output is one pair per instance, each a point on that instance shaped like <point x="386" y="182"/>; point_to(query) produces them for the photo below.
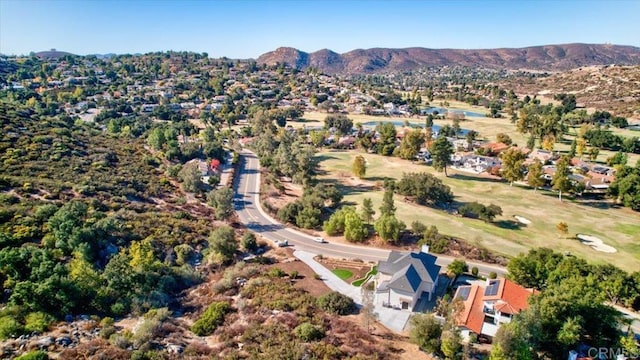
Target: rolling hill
<point x="381" y="60"/>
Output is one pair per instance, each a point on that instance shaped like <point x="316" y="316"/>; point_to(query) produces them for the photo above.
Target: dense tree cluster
<point x="435" y="337"/>
<point x="626" y="187"/>
<point x="605" y="139"/>
<point x="480" y="211"/>
<point x="425" y="189"/>
<point x="570" y="307"/>
<point x="340" y="123"/>
<point x="307" y="212"/>
<point x="347" y="221"/>
<point x="286" y="154"/>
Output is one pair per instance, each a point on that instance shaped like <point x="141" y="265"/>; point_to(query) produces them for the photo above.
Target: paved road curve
<point x="250" y="213"/>
<point x="247" y="205"/>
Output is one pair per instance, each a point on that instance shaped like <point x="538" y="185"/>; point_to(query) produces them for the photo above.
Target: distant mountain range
<point x="383" y="60"/>
<point x="52" y="54"/>
<point x="55" y="54"/>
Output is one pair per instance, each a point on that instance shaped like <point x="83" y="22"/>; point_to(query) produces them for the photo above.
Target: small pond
<point x="443" y="111"/>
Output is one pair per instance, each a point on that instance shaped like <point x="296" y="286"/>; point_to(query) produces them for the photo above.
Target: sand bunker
<point x="522" y="220"/>
<point x="596" y="243"/>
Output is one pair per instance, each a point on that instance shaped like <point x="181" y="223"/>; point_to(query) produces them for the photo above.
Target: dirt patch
<point x="276" y="199"/>
<point x="306" y="276"/>
<point x="398" y="344"/>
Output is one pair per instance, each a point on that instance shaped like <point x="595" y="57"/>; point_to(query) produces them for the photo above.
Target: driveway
<point x="393" y="319"/>
<point x="329" y="278"/>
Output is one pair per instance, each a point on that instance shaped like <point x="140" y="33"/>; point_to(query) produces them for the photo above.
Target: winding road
<point x="251" y="214"/>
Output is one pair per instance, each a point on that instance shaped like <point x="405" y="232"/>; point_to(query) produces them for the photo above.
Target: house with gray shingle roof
<point x="404" y="278"/>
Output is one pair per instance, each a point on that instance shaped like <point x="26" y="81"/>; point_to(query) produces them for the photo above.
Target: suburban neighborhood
<point x="442" y="202"/>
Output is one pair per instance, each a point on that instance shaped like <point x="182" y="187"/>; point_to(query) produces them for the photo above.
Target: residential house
<point x="207" y="168"/>
<point x="490" y="304"/>
<point x="459" y="144"/>
<point x="147" y="108"/>
<point x="542" y="155"/>
<point x="404" y="278"/>
<point x="495" y="148"/>
<point x="475" y="163"/>
<point x="390" y="108"/>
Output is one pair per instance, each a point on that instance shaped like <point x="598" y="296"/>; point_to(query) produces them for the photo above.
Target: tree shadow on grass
<point x="320" y="158"/>
<point x="509" y="224"/>
<point x="302" y="120"/>
<point x="350" y="189"/>
<point x="376" y="178"/>
<point x="474" y="178"/>
<point x="598" y="204"/>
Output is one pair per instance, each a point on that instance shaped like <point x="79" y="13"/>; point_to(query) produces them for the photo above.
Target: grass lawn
<point x="370" y="273"/>
<point x="617" y="227"/>
<point x="343" y="274"/>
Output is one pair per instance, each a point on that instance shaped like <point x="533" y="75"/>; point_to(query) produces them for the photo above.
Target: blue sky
<point x="243" y="29"/>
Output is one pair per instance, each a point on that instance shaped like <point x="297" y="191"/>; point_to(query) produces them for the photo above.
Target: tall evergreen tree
<point x="441" y="151"/>
<point x="387" y="207"/>
<point x="367" y="210"/>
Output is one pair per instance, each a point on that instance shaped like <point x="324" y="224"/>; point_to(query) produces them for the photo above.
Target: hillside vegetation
<point x="614" y="88"/>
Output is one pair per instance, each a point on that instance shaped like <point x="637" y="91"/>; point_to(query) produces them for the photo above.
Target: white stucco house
<point x="404" y="278"/>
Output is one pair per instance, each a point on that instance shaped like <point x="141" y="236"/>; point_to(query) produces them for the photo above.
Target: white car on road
<point x="319" y="239"/>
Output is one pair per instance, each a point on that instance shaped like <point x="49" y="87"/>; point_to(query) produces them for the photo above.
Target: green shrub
<point x="150" y="327"/>
<point x="417" y="227"/>
<point x="308" y="332"/>
<point x="425" y="331"/>
<point x="34" y="355"/>
<point x="119" y="308"/>
<point x="336" y="303"/>
<point x="9" y="327"/>
<point x="493" y="275"/>
<point x="211" y="318"/>
<point x="38" y="322"/>
<point x="7" y="199"/>
<point x="249" y="242"/>
<point x="277" y="272"/>
<point x="107" y="331"/>
<point x="122" y="341"/>
<point x="474" y="271"/>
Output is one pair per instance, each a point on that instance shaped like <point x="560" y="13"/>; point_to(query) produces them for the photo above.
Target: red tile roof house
<point x="488" y="306"/>
<point x="495" y="148"/>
